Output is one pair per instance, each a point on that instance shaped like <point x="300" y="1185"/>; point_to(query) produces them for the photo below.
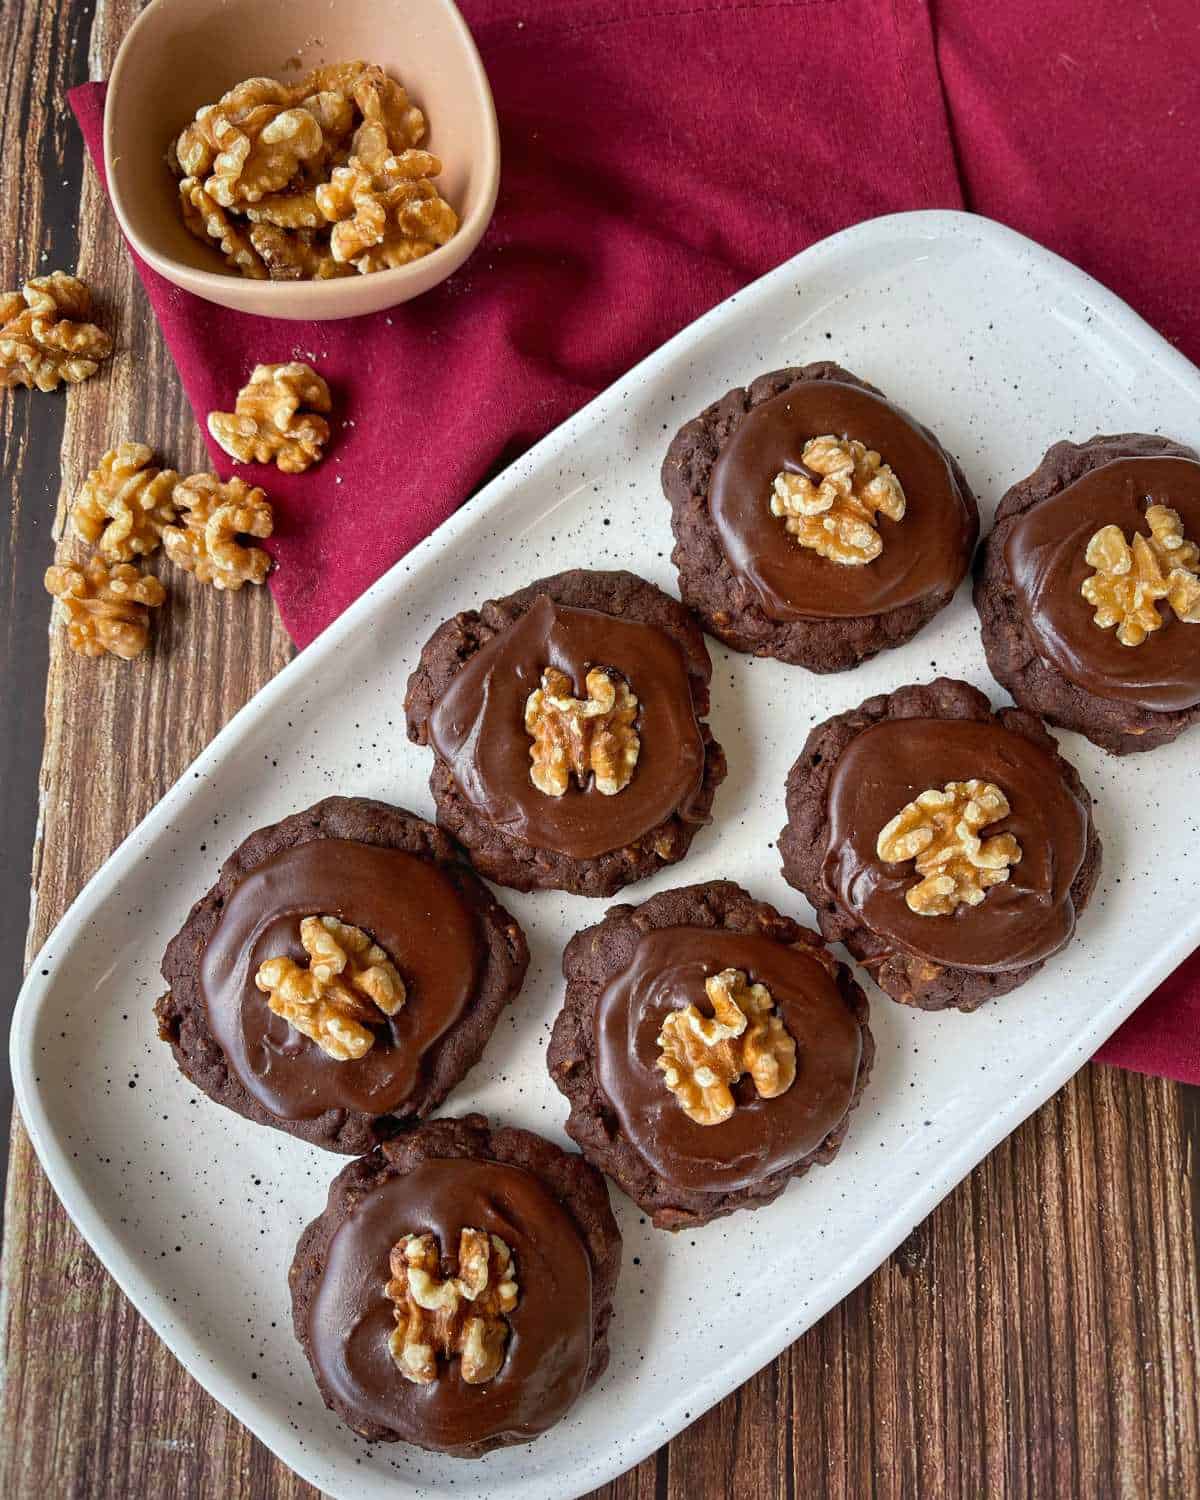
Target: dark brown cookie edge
<point x="908" y="978"/>
<point x="569" y="1179"/>
<point x="709" y="584"/>
<point x="507" y="860"/>
<point x="1010" y="647"/>
<point x="720" y="904"/>
<point x="183" y="1016"/>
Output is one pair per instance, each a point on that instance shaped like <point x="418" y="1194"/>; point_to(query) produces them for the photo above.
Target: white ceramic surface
<point x="1002" y="348"/>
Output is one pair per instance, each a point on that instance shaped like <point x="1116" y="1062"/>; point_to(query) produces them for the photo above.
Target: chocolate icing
<point x="478" y="728"/>
<point x="550" y="1329"/>
<point x="1045" y="553"/>
<point x="882" y="769"/>
<point x="926" y="552"/>
<point x="406" y="904"/>
<point x="762" y="1136"/>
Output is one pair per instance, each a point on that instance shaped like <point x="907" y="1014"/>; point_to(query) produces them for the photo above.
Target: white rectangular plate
<point x="1001" y="348"/>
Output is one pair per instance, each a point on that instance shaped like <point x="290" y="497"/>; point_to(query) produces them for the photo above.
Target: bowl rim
<point x="211" y="285"/>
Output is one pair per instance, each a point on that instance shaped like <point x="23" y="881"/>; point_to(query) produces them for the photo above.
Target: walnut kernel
<point x="125" y="503"/>
<point x="208" y="221"/>
<point x="1130" y="579"/>
<point x="260" y="153"/>
<point x="702" y="1057"/>
<point x="386" y="209"/>
<point x="573" y="736"/>
<point x="105" y="606"/>
<point x="296" y="254"/>
<point x="463" y="1315"/>
<point x="832" y="507"/>
<point x="940" y="830"/>
<point x="45" y="337"/>
<point x="266" y="152"/>
<point x="215" y="515"/>
<point x="267" y="423"/>
<point x="349" y="984"/>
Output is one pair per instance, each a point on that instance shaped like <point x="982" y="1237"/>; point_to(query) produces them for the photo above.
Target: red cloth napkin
<point x="656" y="159"/>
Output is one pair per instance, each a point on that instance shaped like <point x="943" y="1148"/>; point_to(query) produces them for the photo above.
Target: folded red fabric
<point x="656" y="159"/>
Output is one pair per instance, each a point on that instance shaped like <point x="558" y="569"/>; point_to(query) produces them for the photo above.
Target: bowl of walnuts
<point x="300" y="159"/>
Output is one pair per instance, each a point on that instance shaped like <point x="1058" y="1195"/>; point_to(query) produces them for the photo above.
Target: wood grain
<point x="1037" y="1336"/>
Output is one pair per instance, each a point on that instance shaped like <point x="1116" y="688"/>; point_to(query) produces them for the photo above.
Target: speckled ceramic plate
<point x="1001" y="348"/>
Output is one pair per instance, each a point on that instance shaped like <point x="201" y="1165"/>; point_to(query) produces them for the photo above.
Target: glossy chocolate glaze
<point x="550" y="1329"/>
<point x="925" y="553"/>
<point x="407" y="905"/>
<point x="478" y="728"/>
<point x="1045" y="553"/>
<point x="1026" y="919"/>
<point x="762" y="1136"/>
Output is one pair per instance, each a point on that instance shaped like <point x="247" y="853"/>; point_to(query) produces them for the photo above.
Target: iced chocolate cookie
<point x="342" y="975"/>
<point x="949" y="847"/>
<point x="1088" y="590"/>
<point x="457" y="1290"/>
<point x="711" y="1050"/>
<point x="566" y="722"/>
<point x="814" y="521"/>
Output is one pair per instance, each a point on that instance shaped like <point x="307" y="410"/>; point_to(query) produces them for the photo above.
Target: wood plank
<point x="1036" y="1336"/>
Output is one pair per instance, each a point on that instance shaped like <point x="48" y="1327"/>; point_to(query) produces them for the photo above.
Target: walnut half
<point x="125" y="503"/>
<point x="215" y="515"/>
<point x="831" y="507"/>
<point x="1130" y="579"/>
<point x="106" y="607"/>
<point x="349" y="984"/>
<point x="463" y="1315"/>
<point x="940" y="831"/>
<point x="581" y="737"/>
<point x="267" y="423"/>
<point x="45" y="335"/>
<point x="701" y="1057"/>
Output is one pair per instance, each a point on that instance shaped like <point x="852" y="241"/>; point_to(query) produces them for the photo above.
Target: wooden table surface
<point x="1036" y="1336"/>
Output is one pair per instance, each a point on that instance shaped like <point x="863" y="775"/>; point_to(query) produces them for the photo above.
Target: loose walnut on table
<point x="463" y="1315"/>
<point x="702" y="1057"/>
<point x="45" y="335"/>
<point x="106" y="607"/>
<point x="125" y="503"/>
<point x="268" y="425"/>
<point x="940" y="831"/>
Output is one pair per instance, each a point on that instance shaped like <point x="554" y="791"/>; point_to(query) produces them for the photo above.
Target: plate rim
<point x="933" y="224"/>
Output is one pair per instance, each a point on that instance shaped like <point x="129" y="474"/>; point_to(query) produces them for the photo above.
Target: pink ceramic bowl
<point x="180" y="54"/>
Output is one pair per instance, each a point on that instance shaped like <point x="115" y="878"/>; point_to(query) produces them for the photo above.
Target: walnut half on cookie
<point x="463" y="1315"/>
<point x="268" y="425"/>
<point x="594" y="736"/>
<point x="701" y="1057"/>
<point x="350" y="983"/>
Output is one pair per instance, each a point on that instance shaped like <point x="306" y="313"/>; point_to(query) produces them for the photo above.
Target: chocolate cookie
<point x="949" y="847"/>
<point x="342" y="975"/>
<point x="457" y="1290"/>
<point x="814" y="521"/>
<point x="566" y="726"/>
<point x="1088" y="590"/>
<point x="711" y="1050"/>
